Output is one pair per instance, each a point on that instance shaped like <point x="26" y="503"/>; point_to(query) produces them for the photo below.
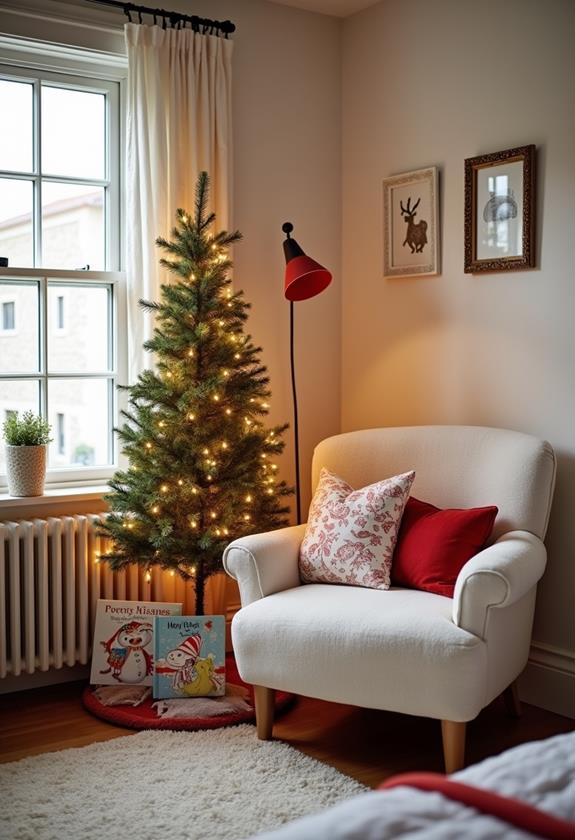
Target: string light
<point x="269" y="491"/>
<point x="226" y="372"/>
<point x="161" y="424"/>
<point x="222" y="323"/>
<point x="193" y="524"/>
<point x="237" y="356"/>
<point x="206" y="451"/>
<point x="96" y="558"/>
<point x="148" y="577"/>
<point x="168" y="374"/>
<point x="209" y="477"/>
<point x="248" y="498"/>
<point x="224" y="444"/>
<point x="172" y="573"/>
<point x="148" y="445"/>
<point x="216" y="397"/>
<point x="164" y="488"/>
<point x="130" y="526"/>
<point x="226" y="532"/>
<point x="180" y="482"/>
<point x="194" y="491"/>
<point x="192" y="276"/>
<point x="191" y="416"/>
<point x="228" y="411"/>
<point x="213" y="514"/>
<point x="247" y="517"/>
<point x="265" y="405"/>
<point x="155" y="509"/>
<point x="191" y="353"/>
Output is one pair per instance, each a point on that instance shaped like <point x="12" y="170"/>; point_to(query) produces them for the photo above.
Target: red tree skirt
<point x="144" y="716"/>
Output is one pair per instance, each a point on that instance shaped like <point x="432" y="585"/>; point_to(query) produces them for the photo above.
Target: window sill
<point x="54" y="502"/>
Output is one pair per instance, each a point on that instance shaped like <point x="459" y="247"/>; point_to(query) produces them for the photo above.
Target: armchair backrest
<point x="455" y="467"/>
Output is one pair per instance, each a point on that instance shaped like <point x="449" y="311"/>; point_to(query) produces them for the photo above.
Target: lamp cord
<point x="295" y="419"/>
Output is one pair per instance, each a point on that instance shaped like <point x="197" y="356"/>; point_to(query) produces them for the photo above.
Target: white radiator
<point x="50" y="581"/>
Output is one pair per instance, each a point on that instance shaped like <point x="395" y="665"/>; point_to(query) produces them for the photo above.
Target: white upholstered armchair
<point x="400" y="649"/>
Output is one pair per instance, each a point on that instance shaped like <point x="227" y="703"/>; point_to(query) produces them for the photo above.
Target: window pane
<point x="73" y="133"/>
<point x="18" y="343"/>
<point x="81" y="343"/>
<point x="72" y="226"/>
<point x="16" y="221"/>
<point x="19" y="396"/>
<point x="17" y="119"/>
<point x="78" y="413"/>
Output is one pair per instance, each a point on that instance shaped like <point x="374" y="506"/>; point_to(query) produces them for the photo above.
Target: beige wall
<point x="287" y="131"/>
<point x="431" y="84"/>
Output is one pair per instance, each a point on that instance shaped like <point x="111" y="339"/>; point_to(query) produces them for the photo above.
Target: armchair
<point x="400" y="649"/>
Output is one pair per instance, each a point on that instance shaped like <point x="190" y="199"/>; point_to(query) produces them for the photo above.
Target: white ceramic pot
<point x="26" y="469"/>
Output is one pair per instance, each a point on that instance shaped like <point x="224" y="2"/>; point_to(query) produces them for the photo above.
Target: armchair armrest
<point x="497" y="577"/>
<point x="265" y="563"/>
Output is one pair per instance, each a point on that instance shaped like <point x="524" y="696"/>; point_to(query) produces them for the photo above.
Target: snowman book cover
<point x="123" y="648"/>
<point x="189" y="656"/>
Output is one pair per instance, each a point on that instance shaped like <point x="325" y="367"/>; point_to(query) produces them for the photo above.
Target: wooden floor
<point x="365" y="744"/>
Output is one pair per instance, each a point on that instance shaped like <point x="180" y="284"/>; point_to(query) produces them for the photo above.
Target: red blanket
<point x="505" y="808"/>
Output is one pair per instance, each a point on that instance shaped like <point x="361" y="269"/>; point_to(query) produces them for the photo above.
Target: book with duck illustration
<point x="189" y="656"/>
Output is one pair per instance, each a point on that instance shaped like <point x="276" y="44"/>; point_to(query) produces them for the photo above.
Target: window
<point x="60" y="435"/>
<point x="9" y="315"/>
<point x="60" y="230"/>
<point x="60" y="312"/>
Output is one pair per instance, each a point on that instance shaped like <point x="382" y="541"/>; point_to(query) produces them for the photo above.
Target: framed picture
<point x="500" y="211"/>
<point x="410" y="224"/>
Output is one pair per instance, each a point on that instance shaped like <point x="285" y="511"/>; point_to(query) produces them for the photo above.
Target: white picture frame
<point x="411" y="245"/>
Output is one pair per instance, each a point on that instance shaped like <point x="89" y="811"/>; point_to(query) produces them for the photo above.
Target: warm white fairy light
<point x="164" y="488"/>
<point x="237" y="356"/>
<point x="248" y="498"/>
<point x="209" y="477"/>
<point x="206" y="451"/>
<point x="168" y="374"/>
<point x="194" y="491"/>
<point x="148" y="445"/>
<point x="228" y="411"/>
<point x="96" y="558"/>
<point x="225" y="373"/>
<point x="191" y="353"/>
<point x="213" y="514"/>
<point x="172" y="573"/>
<point x="193" y="524"/>
<point x="155" y="509"/>
<point x="191" y="416"/>
<point x="148" y="577"/>
<point x="224" y="444"/>
<point x="265" y="405"/>
<point x="161" y="424"/>
<point x="225" y="531"/>
<point x="180" y="482"/>
<point x="216" y="397"/>
<point x="247" y="517"/>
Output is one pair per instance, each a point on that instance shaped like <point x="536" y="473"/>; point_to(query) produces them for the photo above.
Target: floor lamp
<point x="304" y="278"/>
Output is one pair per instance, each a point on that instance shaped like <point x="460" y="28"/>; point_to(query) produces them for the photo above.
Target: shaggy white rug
<point x="214" y="785"/>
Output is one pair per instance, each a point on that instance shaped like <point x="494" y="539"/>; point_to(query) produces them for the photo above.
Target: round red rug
<point x="145" y="716"/>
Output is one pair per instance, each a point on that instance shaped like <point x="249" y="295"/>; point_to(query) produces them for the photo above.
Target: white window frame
<point x="4" y="299"/>
<point x="102" y="73"/>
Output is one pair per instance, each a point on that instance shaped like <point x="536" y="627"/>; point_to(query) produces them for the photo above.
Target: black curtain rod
<point x="176" y="20"/>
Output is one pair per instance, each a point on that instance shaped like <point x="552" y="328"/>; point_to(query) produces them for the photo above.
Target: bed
<point x="540" y="774"/>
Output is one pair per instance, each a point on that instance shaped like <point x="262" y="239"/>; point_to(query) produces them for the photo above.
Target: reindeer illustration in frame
<point x="411" y="222"/>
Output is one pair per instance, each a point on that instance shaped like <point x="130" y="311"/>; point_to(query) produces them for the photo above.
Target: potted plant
<point x="27" y="438"/>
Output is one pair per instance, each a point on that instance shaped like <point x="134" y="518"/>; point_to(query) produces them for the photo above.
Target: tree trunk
<point x="200" y="587"/>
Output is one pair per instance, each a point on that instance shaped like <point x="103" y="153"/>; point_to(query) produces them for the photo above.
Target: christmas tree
<point x="202" y="467"/>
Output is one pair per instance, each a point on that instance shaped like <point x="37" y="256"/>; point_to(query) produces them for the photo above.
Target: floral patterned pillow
<point x="351" y="534"/>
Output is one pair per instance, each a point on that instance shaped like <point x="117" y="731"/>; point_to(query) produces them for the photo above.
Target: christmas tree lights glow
<point x="194" y="434"/>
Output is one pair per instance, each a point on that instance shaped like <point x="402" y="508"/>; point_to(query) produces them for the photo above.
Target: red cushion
<point x="433" y="545"/>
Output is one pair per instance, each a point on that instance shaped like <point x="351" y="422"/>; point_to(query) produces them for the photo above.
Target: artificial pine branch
<point x="202" y="464"/>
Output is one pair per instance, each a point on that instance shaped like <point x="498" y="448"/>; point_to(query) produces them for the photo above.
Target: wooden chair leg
<point x="453" y="733"/>
<point x="512" y="701"/>
<point x="265" y="706"/>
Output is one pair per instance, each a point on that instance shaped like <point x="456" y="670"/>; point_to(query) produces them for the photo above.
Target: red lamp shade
<point x="304" y="278"/>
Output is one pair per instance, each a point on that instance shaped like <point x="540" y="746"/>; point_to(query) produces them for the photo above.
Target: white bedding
<point x="541" y="773"/>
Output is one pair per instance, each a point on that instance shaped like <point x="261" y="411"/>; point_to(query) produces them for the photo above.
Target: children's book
<point x="123" y="647"/>
<point x="189" y="656"/>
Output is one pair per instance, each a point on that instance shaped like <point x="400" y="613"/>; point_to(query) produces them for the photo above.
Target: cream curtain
<point x="178" y="123"/>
